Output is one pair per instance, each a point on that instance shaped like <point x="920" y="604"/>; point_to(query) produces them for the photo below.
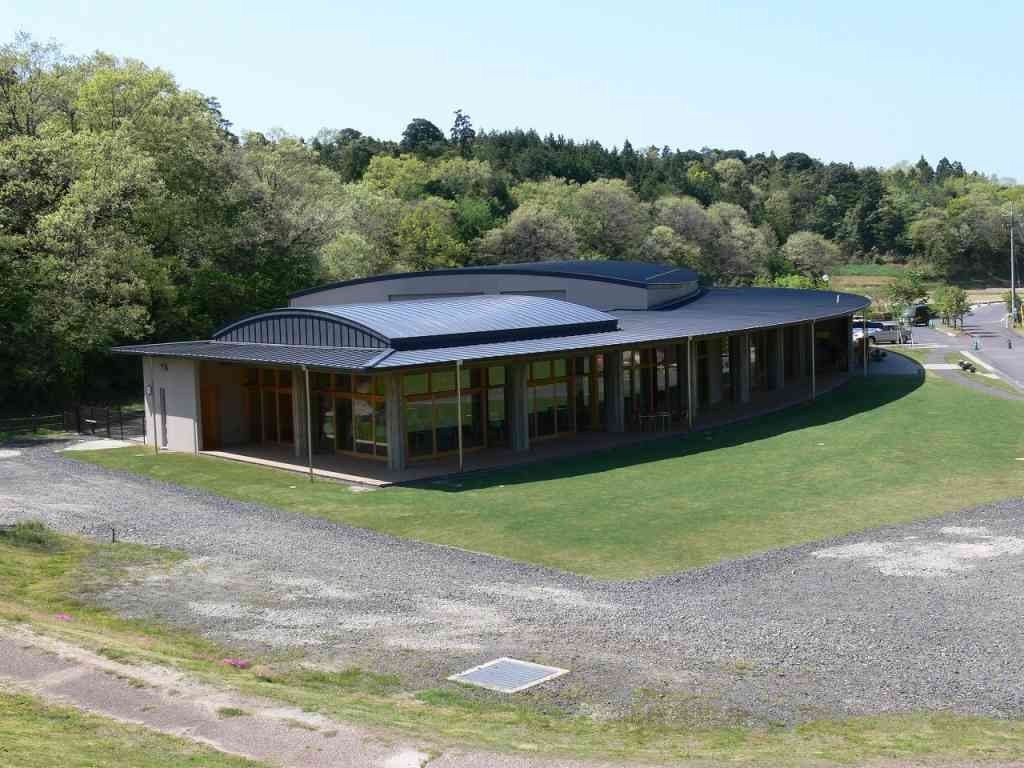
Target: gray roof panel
<point x="457" y="320"/>
<point x="714" y="312"/>
<point x="633" y="273"/>
<point x="346" y="358"/>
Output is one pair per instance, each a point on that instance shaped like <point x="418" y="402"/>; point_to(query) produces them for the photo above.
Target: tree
<point x="29" y="71"/>
<point x="532" y="233"/>
<point x="423" y="138"/>
<point x="810" y="253"/>
<point x="428" y="238"/>
<point x="908" y="289"/>
<point x="951" y="303"/>
<point x="610" y="219"/>
<point x="664" y="246"/>
<point x="406" y="176"/>
<point x="462" y="133"/>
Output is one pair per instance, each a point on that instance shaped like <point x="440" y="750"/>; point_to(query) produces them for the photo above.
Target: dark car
<point x="918" y="314"/>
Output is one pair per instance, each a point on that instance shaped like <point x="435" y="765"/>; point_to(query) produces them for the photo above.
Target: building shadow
<point x="857" y="396"/>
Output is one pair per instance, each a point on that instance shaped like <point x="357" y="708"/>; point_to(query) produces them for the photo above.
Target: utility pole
<point x="1013" y="281"/>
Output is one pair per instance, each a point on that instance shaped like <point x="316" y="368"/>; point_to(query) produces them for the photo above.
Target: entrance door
<point x="211" y="419"/>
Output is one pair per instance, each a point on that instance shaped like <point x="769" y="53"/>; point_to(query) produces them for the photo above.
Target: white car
<point x="879" y="332"/>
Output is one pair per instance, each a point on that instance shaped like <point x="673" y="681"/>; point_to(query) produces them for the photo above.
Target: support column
<point x="615" y="414"/>
<point x="518" y="393"/>
<point x="851" y="349"/>
<point x="691" y="383"/>
<point x="299" y="412"/>
<point x="814" y="364"/>
<point x="744" y="368"/>
<point x="714" y="371"/>
<point x="394" y="412"/>
<point x="778" y="355"/>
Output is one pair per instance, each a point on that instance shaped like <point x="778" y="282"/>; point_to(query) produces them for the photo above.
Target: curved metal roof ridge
<point x="557" y="269"/>
<point x="435" y="322"/>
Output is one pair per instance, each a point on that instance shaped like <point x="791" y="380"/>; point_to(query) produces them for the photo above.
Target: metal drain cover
<point x="508" y="675"/>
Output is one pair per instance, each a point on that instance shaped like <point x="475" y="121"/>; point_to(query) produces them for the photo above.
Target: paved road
<point x="907" y="617"/>
<point x="985" y="325"/>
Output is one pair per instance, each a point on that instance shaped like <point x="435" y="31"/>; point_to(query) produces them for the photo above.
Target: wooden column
<point x="518" y="378"/>
<point x="615" y="415"/>
<point x="394" y="409"/>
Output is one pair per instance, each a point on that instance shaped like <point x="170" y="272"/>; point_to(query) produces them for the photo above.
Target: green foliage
<point x="907" y="289"/>
<point x="810" y="253"/>
<point x="951" y="303"/>
<point x="129" y="212"/>
<point x="32" y="535"/>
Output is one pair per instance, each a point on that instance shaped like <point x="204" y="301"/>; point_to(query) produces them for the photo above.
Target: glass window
<point x="419" y="427"/>
<point x="472" y="423"/>
<point x="251" y="376"/>
<point x="497" y="424"/>
<point x="284" y="378"/>
<point x="446" y="419"/>
<point x="320" y="381"/>
<point x="416" y="384"/>
<point x="561" y="403"/>
<point x="540" y="370"/>
<point x="324" y="423"/>
<point x="363" y="385"/>
<point x="363" y="412"/>
<point x="379" y="386"/>
<point x="496" y="376"/>
<point x="559" y="368"/>
<point x="380" y="429"/>
<point x="284" y="419"/>
<point x="582" y="365"/>
<point x="343" y="382"/>
<point x="442" y="381"/>
<point x="543" y="410"/>
<point x="583" y="407"/>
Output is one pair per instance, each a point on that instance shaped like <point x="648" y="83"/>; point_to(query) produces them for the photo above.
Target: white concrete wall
<point x="179" y="379"/>
<point x="592" y="293"/>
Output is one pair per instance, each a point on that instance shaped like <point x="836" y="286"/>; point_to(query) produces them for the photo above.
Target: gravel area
<point x="925" y="615"/>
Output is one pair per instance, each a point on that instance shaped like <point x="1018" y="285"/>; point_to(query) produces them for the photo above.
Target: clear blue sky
<point x="869" y="82"/>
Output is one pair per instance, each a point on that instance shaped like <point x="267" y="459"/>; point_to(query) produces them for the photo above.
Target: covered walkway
<point x="360" y="471"/>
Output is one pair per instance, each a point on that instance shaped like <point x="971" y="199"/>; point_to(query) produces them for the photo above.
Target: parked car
<point x="880" y="332"/>
<point x="917" y="314"/>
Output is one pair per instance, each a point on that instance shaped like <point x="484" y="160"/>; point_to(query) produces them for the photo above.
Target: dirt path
<point x="172" y="703"/>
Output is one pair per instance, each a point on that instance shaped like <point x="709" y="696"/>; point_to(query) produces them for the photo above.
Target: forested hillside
<point x="131" y="211"/>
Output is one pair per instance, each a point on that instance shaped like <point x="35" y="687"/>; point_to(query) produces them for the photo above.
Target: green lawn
<point x="37" y="735"/>
<point x="42" y="573"/>
<point x="800" y="475"/>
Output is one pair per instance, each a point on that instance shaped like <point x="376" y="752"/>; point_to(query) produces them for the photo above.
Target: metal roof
<point x="454" y="320"/>
<point x="713" y="312"/>
<point x="632" y="273"/>
<point x="278" y="354"/>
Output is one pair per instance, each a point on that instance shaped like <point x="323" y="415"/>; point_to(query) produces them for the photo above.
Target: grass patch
<point x="917" y="355"/>
<point x="36" y="582"/>
<point x="231" y="712"/>
<point x="37" y="735"/>
<point x="868" y="270"/>
<point x="800" y="475"/>
<point x="33" y="535"/>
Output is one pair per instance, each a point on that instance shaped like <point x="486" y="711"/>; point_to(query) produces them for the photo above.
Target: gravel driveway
<point x="921" y="615"/>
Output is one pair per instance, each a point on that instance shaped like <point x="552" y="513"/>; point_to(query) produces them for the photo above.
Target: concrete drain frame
<point x="507" y="675"/>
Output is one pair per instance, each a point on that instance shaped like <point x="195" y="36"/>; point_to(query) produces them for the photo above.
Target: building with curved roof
<point x="415" y="367"/>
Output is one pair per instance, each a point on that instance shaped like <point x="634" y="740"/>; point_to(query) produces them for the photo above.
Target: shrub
<point x="32" y="534"/>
